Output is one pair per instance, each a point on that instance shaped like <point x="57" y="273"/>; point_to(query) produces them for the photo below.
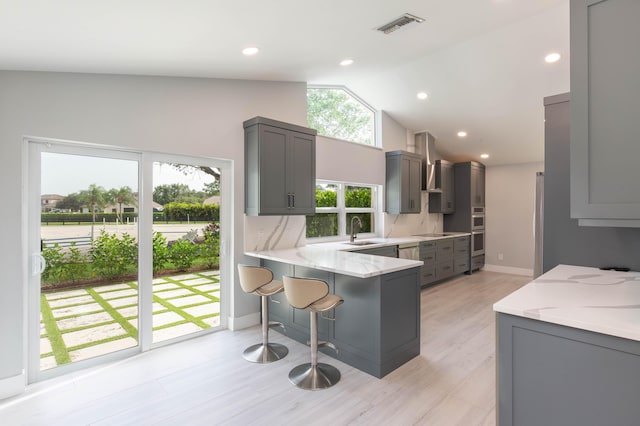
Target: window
<point x="338" y="113"/>
<point x="336" y="205"/>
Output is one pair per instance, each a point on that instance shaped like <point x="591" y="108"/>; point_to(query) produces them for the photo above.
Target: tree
<point x="335" y="113"/>
<point x="94" y="197"/>
<point x="212" y="188"/>
<point x="165" y="194"/>
<point x="120" y="196"/>
<point x="71" y="202"/>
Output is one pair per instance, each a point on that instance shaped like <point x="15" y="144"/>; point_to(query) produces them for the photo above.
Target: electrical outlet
<point x="500" y="256"/>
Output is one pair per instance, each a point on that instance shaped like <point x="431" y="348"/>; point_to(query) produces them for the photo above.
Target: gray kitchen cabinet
<point x="470" y="200"/>
<point x="605" y="106"/>
<point x="376" y="330"/>
<point x="443" y="201"/>
<point x="549" y="374"/>
<point x="477" y="184"/>
<point x="461" y="258"/>
<point x="388" y="251"/>
<point x="280" y="168"/>
<point x="444" y="258"/>
<point x="403" y="182"/>
<point x="428" y="257"/>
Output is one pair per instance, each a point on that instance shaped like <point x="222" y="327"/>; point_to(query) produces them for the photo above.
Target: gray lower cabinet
<point x="387" y="251"/>
<point x="403" y="182"/>
<point x="605" y="106"/>
<point x="280" y="164"/>
<point x="444" y="258"/>
<point x="549" y="374"/>
<point x="376" y="330"/>
<point x="428" y="257"/>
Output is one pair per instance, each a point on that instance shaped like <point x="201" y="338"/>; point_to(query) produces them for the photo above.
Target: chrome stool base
<point x="321" y="376"/>
<point x="264" y="354"/>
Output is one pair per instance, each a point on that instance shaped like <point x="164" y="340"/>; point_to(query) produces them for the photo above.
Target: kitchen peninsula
<point x="377" y="329"/>
<point x="568" y="349"/>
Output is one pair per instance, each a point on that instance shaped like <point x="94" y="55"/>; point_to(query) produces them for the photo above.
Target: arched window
<point x="338" y="113"/>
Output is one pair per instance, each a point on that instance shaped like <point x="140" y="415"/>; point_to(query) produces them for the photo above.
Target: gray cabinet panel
<point x="551" y="374"/>
<point x="279" y="168"/>
<point x="403" y="182"/>
<point x="444" y="249"/>
<point x="303" y="167"/>
<point x="387" y="251"/>
<point x="273" y="176"/>
<point x="443" y="202"/>
<point x="356" y="327"/>
<point x="444" y="269"/>
<point x="605" y="105"/>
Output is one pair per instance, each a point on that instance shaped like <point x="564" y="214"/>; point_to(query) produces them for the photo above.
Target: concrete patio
<point x="83" y="323"/>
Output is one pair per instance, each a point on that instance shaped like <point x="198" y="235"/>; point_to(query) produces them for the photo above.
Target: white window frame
<point x="376" y="131"/>
<point x="342" y="211"/>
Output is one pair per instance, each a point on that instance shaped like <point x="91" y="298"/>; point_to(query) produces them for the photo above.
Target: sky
<point x="64" y="174"/>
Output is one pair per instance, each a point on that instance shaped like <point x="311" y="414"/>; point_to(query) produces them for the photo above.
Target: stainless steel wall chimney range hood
<point x="426" y="146"/>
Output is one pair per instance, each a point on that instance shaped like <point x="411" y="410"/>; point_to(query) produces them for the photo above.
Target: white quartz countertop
<point x="586" y="298"/>
<point x="337" y="257"/>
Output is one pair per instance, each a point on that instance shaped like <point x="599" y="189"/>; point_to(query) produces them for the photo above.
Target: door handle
<point x="288" y="200"/>
<point x="38" y="265"/>
<point x="293" y="200"/>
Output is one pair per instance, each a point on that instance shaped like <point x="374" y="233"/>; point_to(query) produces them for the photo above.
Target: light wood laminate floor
<point x="205" y="381"/>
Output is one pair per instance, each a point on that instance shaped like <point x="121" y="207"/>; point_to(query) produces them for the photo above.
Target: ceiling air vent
<point x="396" y="24"/>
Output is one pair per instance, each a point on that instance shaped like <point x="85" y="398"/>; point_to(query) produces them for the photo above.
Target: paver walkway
<point x="83" y="323"/>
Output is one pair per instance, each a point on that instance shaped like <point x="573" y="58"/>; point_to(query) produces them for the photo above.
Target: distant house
<point x="131" y="208"/>
<point x="48" y="202"/>
<point x="214" y="199"/>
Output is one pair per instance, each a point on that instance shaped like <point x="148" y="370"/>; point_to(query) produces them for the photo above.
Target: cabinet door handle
<point x="274" y="300"/>
<point x="288" y="200"/>
<point x="293" y="200"/>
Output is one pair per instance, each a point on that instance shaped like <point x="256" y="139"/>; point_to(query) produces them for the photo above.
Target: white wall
<point x="394" y="135"/>
<point x="196" y="117"/>
<point x="510" y="202"/>
<point x="348" y="161"/>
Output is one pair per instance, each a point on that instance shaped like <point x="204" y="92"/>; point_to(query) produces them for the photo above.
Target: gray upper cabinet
<point x="403" y="182"/>
<point x="477" y="184"/>
<point x="605" y="106"/>
<point x="444" y="201"/>
<point x="280" y="168"/>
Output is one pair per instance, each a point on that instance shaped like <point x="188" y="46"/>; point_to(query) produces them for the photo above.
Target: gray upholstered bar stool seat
<point x="259" y="281"/>
<point x="312" y="295"/>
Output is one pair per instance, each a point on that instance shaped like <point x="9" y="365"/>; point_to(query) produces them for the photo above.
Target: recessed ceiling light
<point x="484" y="155"/>
<point x="248" y="51"/>
<point x="462" y="133"/>
<point x="552" y="57"/>
<point x="346" y="62"/>
<point x="422" y="95"/>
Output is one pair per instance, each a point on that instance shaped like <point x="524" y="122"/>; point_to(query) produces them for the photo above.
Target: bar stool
<point x="312" y="295"/>
<point x="259" y="281"/>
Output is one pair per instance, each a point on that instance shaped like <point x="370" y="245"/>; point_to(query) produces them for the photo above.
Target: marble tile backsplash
<point x="282" y="232"/>
<point x="274" y="232"/>
<point x="402" y="225"/>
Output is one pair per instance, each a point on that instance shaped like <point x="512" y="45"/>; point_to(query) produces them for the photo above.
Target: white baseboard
<point x="508" y="270"/>
<point x="12" y="386"/>
<point x="244" y="322"/>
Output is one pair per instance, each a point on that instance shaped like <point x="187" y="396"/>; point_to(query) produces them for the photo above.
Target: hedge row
<point x="172" y="212"/>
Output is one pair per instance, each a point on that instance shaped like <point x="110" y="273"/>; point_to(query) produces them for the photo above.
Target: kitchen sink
<point x="361" y="243"/>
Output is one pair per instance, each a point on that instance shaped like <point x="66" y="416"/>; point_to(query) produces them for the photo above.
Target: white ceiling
<point x="481" y="61"/>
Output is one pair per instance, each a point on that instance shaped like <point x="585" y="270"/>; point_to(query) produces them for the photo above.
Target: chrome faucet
<point x="354" y="233"/>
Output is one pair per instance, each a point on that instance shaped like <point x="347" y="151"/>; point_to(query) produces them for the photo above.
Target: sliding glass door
<point x="124" y="253"/>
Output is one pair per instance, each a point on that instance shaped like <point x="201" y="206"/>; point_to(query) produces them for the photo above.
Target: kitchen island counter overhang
<point x="377" y="329"/>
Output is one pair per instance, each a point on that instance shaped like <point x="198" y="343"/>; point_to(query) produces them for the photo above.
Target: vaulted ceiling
<point x="480" y="61"/>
